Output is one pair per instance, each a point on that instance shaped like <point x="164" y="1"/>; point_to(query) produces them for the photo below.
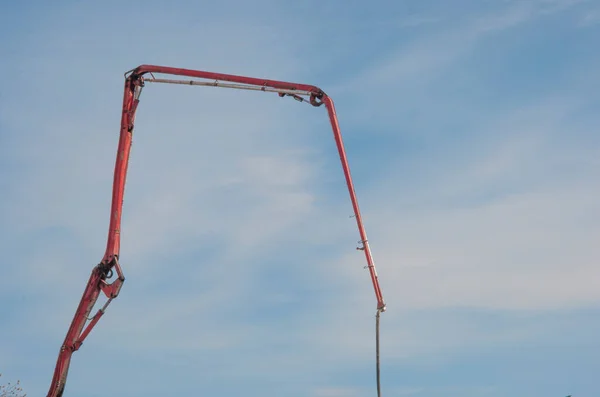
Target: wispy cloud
<point x="591" y="17"/>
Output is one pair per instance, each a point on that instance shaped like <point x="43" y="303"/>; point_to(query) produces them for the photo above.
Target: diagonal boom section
<point x="337" y="134"/>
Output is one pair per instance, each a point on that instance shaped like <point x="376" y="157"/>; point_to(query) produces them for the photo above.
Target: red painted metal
<point x="337" y="134"/>
<point x="103" y="272"/>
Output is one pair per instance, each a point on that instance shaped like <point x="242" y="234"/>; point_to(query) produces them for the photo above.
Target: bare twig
<point x="11" y="390"/>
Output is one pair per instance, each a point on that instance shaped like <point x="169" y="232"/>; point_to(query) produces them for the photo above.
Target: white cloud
<point x="412" y="65"/>
<point x="590" y="18"/>
<point x="511" y="225"/>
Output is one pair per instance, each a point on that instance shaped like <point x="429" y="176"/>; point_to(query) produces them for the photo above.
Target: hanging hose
<point x="377" y="351"/>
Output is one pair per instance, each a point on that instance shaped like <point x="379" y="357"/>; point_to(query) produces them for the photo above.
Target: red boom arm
<point x="103" y="272"/>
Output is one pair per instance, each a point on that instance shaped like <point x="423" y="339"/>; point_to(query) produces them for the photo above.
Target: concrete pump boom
<point x="103" y="272"/>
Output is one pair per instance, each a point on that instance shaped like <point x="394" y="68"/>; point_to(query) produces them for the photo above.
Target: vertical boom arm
<point x="103" y="272"/>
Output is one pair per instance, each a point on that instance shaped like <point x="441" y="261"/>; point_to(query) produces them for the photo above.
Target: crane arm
<point x="102" y="273"/>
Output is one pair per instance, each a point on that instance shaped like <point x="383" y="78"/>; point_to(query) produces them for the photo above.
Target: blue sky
<point x="471" y="128"/>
